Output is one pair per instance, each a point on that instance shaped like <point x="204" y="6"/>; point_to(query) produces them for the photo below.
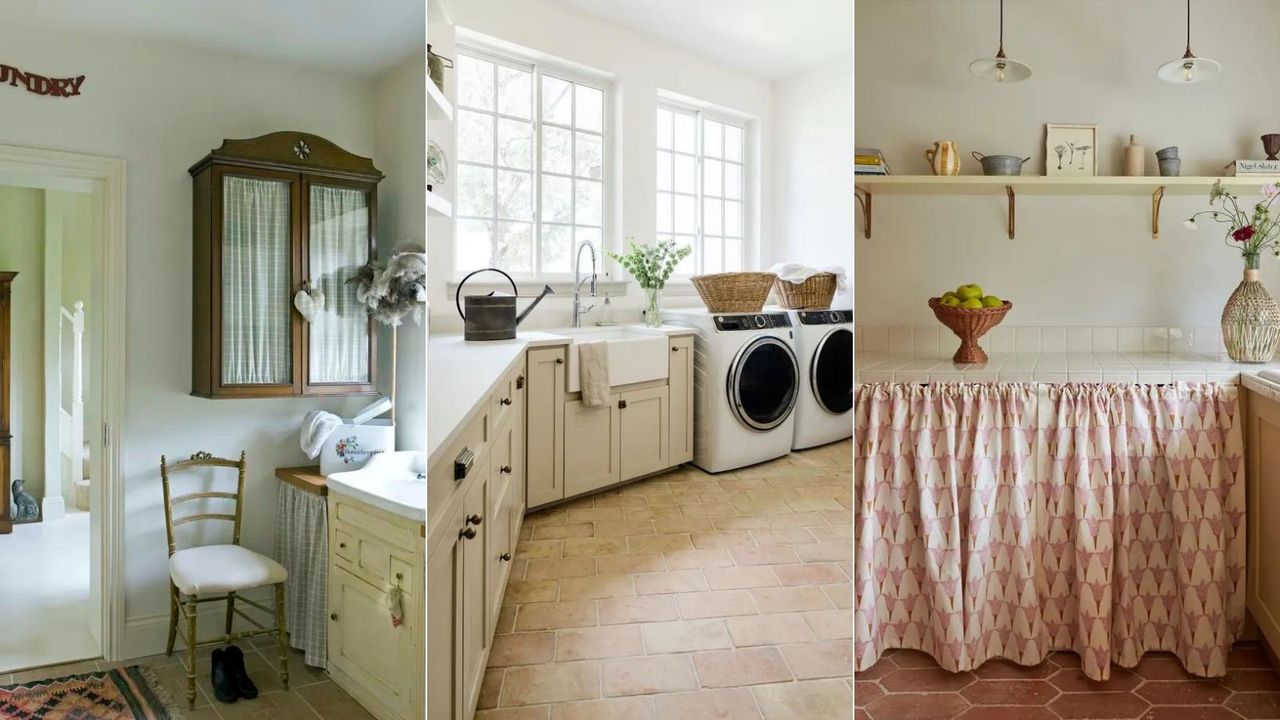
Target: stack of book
<point x="1240" y="168"/>
<point x="869" y="161"/>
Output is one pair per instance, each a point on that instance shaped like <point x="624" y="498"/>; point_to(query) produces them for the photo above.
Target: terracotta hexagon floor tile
<point x="917" y="706"/>
<point x="1010" y="692"/>
<point x="932" y="679"/>
<point x="1007" y="713"/>
<point x="1186" y="692"/>
<point x="1255" y="704"/>
<point x="1245" y="680"/>
<point x="1190" y="712"/>
<point x="1076" y="681"/>
<point x="865" y="692"/>
<point x="1248" y="656"/>
<point x="1000" y="669"/>
<point x="860" y="714"/>
<point x="877" y="671"/>
<point x="913" y="659"/>
<point x="1161" y="666"/>
<point x="1099" y="706"/>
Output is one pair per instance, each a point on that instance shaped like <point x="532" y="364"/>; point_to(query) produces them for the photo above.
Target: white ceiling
<point x="343" y="35"/>
<point x="769" y="38"/>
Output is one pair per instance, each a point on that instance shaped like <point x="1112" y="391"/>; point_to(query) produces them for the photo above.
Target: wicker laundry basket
<point x="814" y="293"/>
<point x="741" y="292"/>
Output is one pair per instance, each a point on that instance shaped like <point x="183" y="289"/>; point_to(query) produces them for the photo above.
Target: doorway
<point x="61" y="231"/>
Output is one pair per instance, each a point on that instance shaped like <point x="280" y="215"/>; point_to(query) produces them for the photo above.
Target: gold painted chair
<point x="214" y="573"/>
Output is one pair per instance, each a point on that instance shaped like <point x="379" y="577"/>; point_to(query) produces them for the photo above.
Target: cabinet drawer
<point x="442" y="480"/>
<point x="507" y="396"/>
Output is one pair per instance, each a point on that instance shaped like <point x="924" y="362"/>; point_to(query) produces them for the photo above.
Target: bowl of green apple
<point x="970" y="313"/>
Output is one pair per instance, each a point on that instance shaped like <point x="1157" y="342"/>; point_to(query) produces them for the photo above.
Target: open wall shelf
<point x="1157" y="187"/>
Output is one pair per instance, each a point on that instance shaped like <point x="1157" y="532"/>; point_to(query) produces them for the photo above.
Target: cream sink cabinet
<point x="1262" y="480"/>
<point x="476" y="502"/>
<point x="573" y="449"/>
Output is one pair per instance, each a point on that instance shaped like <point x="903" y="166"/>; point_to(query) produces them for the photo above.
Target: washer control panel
<point x="825" y="317"/>
<point x="760" y="321"/>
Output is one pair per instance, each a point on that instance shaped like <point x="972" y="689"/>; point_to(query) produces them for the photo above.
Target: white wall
<point x="1083" y="260"/>
<point x="639" y="66"/>
<point x="163" y="107"/>
<point x="22" y="251"/>
<point x="813" y="183"/>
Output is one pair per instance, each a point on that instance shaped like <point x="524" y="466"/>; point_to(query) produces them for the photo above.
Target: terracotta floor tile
<point x="1183" y="692"/>
<point x="1008" y="692"/>
<point x="722" y="539"/>
<point x="528" y="648"/>
<point x="659" y="543"/>
<point x="917" y="706"/>
<point x="553" y="569"/>
<point x="730" y="578"/>
<point x="683" y="525"/>
<point x="791" y="599"/>
<point x="735" y="668"/>
<point x="623" y="528"/>
<point x="932" y="679"/>
<point x="671" y="581"/>
<point x="550" y="532"/>
<point x="540" y="549"/>
<point x="727" y="704"/>
<point x="912" y="659"/>
<point x="648" y="675"/>
<point x="1190" y="712"/>
<point x="1161" y="666"/>
<point x="491" y="687"/>
<point x="786" y="536"/>
<point x="623" y="564"/>
<point x="595" y="587"/>
<point x="769" y="555"/>
<point x="1001" y="669"/>
<point x="709" y="510"/>
<point x="1248" y="656"/>
<point x="656" y="608"/>
<point x="630" y="708"/>
<point x="685" y="636"/>
<point x="1007" y="713"/>
<point x="593" y="546"/>
<point x="807" y="700"/>
<point x="1252" y="680"/>
<point x="864" y="692"/>
<point x="593" y="514"/>
<point x="607" y="641"/>
<point x="652" y="512"/>
<point x="1255" y="704"/>
<point x="539" y="712"/>
<point x="741" y="523"/>
<point x="1098" y="706"/>
<point x="809" y="573"/>
<point x="771" y="629"/>
<point x="829" y="658"/>
<point x="527" y="591"/>
<point x="830" y="624"/>
<point x="686" y="559"/>
<point x="1077" y="681"/>
<point x="549" y="616"/>
<point x="715" y="603"/>
<point x="555" y="682"/>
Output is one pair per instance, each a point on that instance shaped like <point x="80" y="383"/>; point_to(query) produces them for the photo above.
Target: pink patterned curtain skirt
<point x="1008" y="521"/>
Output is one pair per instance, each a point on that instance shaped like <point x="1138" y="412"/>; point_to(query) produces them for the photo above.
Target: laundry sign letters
<point x="39" y="84"/>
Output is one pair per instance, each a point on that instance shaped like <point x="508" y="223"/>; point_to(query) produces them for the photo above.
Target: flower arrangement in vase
<point x="652" y="266"/>
<point x="1251" y="318"/>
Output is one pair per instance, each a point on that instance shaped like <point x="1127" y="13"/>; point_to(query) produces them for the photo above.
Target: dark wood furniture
<point x="257" y="197"/>
<point x="6" y="439"/>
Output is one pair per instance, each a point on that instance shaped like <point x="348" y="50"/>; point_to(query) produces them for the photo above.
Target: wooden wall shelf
<point x="867" y="186"/>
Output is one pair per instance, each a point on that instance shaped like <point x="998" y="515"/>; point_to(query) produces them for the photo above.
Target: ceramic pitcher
<point x="944" y="158"/>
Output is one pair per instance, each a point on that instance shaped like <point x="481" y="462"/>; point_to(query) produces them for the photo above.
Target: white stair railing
<point x="73" y="442"/>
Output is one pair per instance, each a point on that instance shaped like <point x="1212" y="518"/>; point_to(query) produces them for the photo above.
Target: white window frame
<point x="538" y="66"/>
<point x="747" y="163"/>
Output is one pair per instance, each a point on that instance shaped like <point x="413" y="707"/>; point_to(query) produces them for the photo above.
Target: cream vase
<point x="1251" y="321"/>
<point x="944" y="158"/>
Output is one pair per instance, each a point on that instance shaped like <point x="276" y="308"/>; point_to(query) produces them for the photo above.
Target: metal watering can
<point x="493" y="317"/>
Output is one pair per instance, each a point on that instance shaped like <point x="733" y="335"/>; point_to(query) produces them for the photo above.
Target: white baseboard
<point x="52" y="508"/>
<point x="146" y="635"/>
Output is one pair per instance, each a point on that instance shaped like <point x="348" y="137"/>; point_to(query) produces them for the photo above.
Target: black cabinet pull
<point x="505" y="469"/>
<point x="519" y="382"/>
<point x="467" y="533"/>
<point x="622" y="404"/>
<point x="505" y="401"/>
<point x="474" y="519"/>
<point x="462" y="464"/>
<point x="559" y="361"/>
<point x="505" y="556"/>
<point x="675" y="349"/>
<point x="333" y="616"/>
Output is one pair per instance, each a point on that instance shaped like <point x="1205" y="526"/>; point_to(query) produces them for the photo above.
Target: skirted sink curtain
<point x="1007" y="521"/>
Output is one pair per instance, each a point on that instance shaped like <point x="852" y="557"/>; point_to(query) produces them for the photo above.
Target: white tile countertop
<point x="1141" y="367"/>
<point x="460" y="374"/>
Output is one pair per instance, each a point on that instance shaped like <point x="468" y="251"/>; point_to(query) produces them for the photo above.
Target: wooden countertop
<point x="306" y="477"/>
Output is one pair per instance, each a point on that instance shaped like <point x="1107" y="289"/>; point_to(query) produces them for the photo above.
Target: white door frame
<point x="109" y="175"/>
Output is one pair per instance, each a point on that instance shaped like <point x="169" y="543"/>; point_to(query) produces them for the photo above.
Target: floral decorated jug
<point x="944" y="158"/>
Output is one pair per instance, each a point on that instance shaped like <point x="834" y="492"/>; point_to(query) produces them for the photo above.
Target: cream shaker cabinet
<point x="545" y="401"/>
<point x="1262" y="480"/>
<point x="643" y="435"/>
<point x="680" y="384"/>
<point x="444" y="641"/>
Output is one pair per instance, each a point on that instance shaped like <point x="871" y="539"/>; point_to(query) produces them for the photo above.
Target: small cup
<point x="1170" y="167"/>
<point x="1169" y="153"/>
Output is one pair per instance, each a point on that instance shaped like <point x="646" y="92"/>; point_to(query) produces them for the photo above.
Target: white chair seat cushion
<point x="220" y="569"/>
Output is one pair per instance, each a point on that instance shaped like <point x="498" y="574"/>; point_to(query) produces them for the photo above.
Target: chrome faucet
<point x="578" y="310"/>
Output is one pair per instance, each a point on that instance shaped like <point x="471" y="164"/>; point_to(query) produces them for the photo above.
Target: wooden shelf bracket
<point x="864" y="201"/>
<point x="1156" y="196"/>
<point x="1008" y="189"/>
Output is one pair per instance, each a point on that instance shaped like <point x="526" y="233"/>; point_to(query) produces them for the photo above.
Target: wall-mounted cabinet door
<point x="544" y="437"/>
<point x="644" y="435"/>
<point x="341" y="235"/>
<point x="591" y="439"/>
<point x="680" y="382"/>
<point x="246" y="285"/>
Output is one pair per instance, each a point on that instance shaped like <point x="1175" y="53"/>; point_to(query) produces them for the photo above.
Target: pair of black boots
<point x="229" y="678"/>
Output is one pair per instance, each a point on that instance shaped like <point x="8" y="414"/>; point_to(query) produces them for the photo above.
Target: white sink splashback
<point x="392" y="481"/>
<point x="635" y="355"/>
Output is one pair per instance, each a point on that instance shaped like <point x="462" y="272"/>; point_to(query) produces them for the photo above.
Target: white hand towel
<point x="317" y="426"/>
<point x="593" y="371"/>
<point x="842" y="276"/>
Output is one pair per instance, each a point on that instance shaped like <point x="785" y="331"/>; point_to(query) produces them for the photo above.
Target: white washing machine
<point x="746" y="383"/>
<point x="824" y="350"/>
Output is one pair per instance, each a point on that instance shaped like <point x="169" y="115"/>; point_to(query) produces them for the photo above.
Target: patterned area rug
<point x="128" y="693"/>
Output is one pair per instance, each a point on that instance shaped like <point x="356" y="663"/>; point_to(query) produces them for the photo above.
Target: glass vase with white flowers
<point x="1251" y="318"/>
<point x="651" y="266"/>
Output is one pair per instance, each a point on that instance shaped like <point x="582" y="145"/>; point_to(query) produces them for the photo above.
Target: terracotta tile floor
<point x="908" y="685"/>
<point x="686" y="595"/>
<point x="311" y="695"/>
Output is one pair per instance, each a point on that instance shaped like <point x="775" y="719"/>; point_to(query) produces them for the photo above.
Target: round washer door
<point x="831" y="372"/>
<point x="763" y="383"/>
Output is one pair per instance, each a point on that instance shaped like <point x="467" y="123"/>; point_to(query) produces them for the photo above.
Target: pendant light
<point x="1189" y="68"/>
<point x="1000" y="68"/>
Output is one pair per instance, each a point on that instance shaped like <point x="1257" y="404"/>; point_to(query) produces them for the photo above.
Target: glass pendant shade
<point x="1000" y="68"/>
<point x="1189" y="68"/>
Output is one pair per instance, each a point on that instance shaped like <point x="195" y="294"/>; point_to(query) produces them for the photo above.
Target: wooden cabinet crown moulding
<point x="282" y="215"/>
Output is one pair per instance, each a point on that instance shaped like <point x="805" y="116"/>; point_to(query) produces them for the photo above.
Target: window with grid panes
<point x="701" y="175"/>
<point x="530" y="166"/>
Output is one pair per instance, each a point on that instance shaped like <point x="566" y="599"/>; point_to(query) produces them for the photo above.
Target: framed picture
<point x="1070" y="150"/>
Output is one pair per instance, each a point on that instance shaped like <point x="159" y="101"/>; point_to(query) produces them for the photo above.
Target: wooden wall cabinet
<point x="6" y="372"/>
<point x="274" y="215"/>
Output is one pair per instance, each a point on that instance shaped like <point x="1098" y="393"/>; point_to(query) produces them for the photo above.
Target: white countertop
<point x="1056" y="368"/>
<point x="461" y="374"/>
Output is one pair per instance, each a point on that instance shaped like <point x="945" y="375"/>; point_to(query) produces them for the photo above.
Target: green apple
<point x="971" y="304"/>
<point x="972" y="290"/>
<point x="950" y="300"/>
<point x="992" y="301"/>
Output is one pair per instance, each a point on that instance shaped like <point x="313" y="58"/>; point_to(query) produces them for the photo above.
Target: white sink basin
<point x="635" y="355"/>
<point x="392" y="481"/>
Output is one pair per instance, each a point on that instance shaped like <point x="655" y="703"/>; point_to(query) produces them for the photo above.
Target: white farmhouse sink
<point x="392" y="481"/>
<point x="635" y="355"/>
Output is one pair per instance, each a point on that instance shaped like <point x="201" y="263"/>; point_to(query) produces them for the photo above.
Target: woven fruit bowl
<point x="969" y="325"/>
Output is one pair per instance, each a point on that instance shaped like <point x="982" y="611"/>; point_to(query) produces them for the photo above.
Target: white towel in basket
<point x="797" y="273"/>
